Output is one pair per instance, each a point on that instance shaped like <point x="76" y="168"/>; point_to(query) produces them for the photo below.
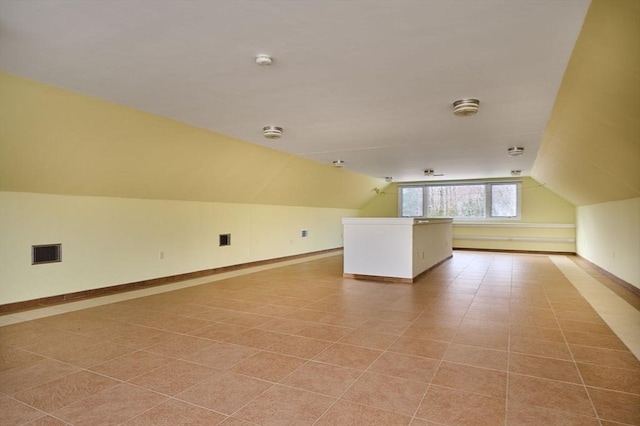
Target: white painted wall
<point x="553" y="237"/>
<point x="378" y="247"/>
<point x="432" y="244"/>
<point x="111" y="241"/>
<point x="608" y="234"/>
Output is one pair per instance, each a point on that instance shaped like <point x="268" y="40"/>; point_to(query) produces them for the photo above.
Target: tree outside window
<point x="463" y="201"/>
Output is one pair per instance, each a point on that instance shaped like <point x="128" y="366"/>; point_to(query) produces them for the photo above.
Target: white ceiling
<point x="368" y="82"/>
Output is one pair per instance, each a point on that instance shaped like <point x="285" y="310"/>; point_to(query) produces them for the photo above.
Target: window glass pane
<point x="504" y="200"/>
<point x="456" y="201"/>
<point x="412" y="201"/>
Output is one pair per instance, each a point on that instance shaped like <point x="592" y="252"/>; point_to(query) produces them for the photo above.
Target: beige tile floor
<point x="484" y="339"/>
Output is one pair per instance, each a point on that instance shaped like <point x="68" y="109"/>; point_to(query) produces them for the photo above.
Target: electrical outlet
<point x="161" y="255"/>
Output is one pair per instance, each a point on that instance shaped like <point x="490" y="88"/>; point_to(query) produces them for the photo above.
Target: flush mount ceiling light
<point x="431" y="172"/>
<point x="388" y="178"/>
<point x="272" y="132"/>
<point x="515" y="151"/>
<point x="516" y="172"/>
<point x="264" y="60"/>
<point x="466" y="107"/>
<point x="338" y="163"/>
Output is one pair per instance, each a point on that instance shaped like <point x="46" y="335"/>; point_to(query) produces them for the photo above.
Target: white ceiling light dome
<point x="264" y="60"/>
<point x="272" y="132"/>
<point x="466" y="107"/>
<point x="338" y="163"/>
<point x="515" y="151"/>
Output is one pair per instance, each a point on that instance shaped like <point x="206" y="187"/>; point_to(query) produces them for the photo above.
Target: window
<point x="504" y="200"/>
<point x="456" y="201"/>
<point x="411" y="201"/>
<point x="490" y="200"/>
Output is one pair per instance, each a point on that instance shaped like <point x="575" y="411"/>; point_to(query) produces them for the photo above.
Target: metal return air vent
<point x="225" y="240"/>
<point x="46" y="253"/>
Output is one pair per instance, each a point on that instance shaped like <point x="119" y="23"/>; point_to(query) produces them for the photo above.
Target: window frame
<point x="488" y="185"/>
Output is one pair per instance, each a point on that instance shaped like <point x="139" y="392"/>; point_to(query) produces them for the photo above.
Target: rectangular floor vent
<point x="46" y="253"/>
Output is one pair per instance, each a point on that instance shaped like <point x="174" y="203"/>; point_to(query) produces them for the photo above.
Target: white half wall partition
<point x="394" y="249"/>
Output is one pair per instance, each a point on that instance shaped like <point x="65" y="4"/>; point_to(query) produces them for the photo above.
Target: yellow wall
<point x="547" y="222"/>
<point x="541" y="205"/>
<point x="130" y="184"/>
<point x="590" y="151"/>
<point x="609" y="236"/>
<point x="60" y="142"/>
<point x="384" y="204"/>
<point x="110" y="241"/>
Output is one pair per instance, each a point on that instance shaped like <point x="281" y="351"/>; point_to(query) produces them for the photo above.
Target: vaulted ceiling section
<point x="590" y="152"/>
<point x="56" y="141"/>
<point x="378" y="93"/>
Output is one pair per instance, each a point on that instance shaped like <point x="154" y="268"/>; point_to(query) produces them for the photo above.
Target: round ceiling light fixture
<point x="338" y="163"/>
<point x="466" y="107"/>
<point x="264" y="60"/>
<point x="515" y="151"/>
<point x="272" y="132"/>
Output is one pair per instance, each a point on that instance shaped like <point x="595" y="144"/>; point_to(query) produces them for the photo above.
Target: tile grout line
<point x="506" y="397"/>
<point x="424" y="395"/>
<point x="413" y="417"/>
<point x="79" y="369"/>
<point x="307" y="361"/>
<point x="379" y="356"/>
<point x="339" y="398"/>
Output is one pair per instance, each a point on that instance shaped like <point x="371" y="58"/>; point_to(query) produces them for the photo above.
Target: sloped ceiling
<point x="590" y="152"/>
<point x="369" y="82"/>
<point x="56" y="141"/>
<point x="365" y="91"/>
